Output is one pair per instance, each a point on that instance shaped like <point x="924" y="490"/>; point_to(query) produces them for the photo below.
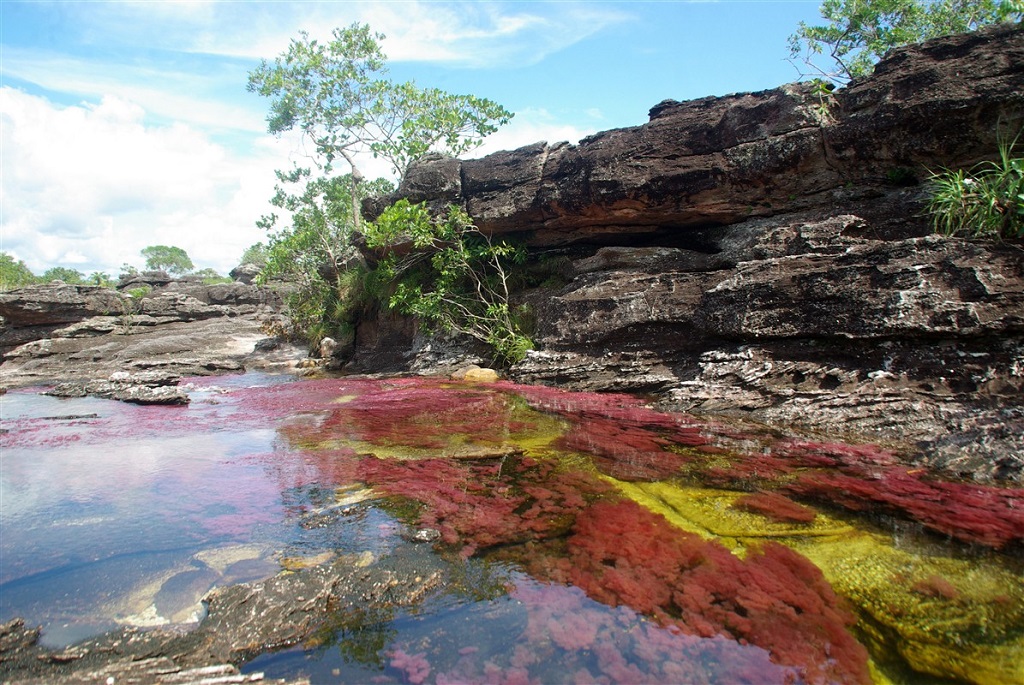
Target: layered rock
<point x="768" y="253"/>
<point x="113" y="343"/>
<point x="722" y="160"/>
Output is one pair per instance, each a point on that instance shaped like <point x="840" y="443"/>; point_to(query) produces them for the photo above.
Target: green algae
<point x="921" y="612"/>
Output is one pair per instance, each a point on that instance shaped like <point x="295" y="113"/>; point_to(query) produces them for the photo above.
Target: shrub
<point x="986" y="201"/>
<point x="451" y="275"/>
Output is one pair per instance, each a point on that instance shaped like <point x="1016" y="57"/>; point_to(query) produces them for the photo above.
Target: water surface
<point x="598" y="540"/>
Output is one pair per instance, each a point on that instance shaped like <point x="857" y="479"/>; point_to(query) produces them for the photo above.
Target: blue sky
<point x="127" y="124"/>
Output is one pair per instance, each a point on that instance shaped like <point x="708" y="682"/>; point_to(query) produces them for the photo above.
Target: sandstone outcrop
<point x="126" y="343"/>
<point x="769" y="254"/>
<point x="723" y="160"/>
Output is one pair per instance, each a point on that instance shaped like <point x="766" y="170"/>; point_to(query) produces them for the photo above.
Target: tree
<point x="100" y="278"/>
<point x="338" y="95"/>
<point x="14" y="273"/>
<point x="60" y="273"/>
<point x="859" y="32"/>
<point x="455" y="278"/>
<point x="312" y="250"/>
<point x="255" y="254"/>
<point x="210" y="276"/>
<point x="173" y="260"/>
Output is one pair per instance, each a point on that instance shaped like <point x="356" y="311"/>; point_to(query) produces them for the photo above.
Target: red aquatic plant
<point x="775" y="507"/>
<point x="972" y="513"/>
<point x="621" y="553"/>
<point x="482" y="503"/>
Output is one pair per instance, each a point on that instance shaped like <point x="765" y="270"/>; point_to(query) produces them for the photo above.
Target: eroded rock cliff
<point x="767" y="253"/>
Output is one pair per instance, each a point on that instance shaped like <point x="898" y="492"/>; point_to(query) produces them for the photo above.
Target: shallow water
<point x="598" y="540"/>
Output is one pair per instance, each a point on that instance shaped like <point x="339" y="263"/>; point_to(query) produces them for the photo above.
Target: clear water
<point x="114" y="514"/>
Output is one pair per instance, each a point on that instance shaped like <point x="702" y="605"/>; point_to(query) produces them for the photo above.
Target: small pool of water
<point x="598" y="540"/>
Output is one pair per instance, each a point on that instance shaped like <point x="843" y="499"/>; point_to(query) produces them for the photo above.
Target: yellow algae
<point x="930" y="612"/>
<point x="525" y="431"/>
<point x="344" y="399"/>
<point x="973" y="631"/>
<point x="710" y="513"/>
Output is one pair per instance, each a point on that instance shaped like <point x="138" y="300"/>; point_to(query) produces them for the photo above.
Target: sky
<point x="128" y="124"/>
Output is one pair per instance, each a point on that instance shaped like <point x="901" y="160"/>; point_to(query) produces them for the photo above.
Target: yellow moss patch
<point x="929" y="611"/>
<point x="943" y="615"/>
<point x="709" y="513"/>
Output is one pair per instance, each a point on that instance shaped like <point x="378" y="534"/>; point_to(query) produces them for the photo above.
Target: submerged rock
<point x="243" y="621"/>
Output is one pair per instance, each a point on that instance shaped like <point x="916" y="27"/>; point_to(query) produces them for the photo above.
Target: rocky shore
<point x="769" y="255"/>
<point x="134" y="343"/>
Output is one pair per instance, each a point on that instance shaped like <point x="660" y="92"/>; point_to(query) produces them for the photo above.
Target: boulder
<point x="245" y="273"/>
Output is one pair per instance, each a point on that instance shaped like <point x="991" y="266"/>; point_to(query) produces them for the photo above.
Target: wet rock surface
<point x="243" y="621"/>
<point x="757" y="254"/>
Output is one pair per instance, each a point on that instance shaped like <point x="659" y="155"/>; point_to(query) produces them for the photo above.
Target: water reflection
<point x="585" y="537"/>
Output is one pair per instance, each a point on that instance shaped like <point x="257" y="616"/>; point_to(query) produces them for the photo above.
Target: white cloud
<point x="186" y="97"/>
<point x="89" y="186"/>
<point x="467" y="33"/>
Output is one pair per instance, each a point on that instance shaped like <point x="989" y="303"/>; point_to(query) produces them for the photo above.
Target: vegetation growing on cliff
<point x="338" y="95"/>
<point x="986" y="201"/>
<point x="858" y="33"/>
<point x="454" y="278"/>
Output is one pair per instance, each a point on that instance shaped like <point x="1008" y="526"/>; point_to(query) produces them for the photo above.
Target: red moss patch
<point x="775" y="507"/>
<point x="622" y="554"/>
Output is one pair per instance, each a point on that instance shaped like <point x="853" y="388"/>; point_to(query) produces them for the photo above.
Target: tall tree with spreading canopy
<point x="173" y="260"/>
<point x="338" y="95"/>
<point x="859" y="32"/>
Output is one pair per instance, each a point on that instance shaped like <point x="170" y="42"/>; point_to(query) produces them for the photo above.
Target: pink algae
<point x="623" y="554"/>
<point x="571" y="638"/>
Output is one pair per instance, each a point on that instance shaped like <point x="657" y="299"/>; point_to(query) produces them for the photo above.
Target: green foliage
<point x="312" y="250"/>
<point x="14" y="273"/>
<point x="210" y="276"/>
<point x="60" y="273"/>
<point x="173" y="260"/>
<point x="858" y="33"/>
<point x="454" y="277"/>
<point x="986" y="201"/>
<point x="256" y="254"/>
<point x="338" y="95"/>
<point x="100" y="278"/>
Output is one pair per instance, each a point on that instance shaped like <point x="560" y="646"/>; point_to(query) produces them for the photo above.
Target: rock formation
<point x="135" y="342"/>
<point x="767" y="253"/>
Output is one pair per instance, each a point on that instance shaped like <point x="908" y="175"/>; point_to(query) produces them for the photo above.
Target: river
<point x="595" y="539"/>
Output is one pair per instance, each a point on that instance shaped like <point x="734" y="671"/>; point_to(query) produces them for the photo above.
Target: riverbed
<point x="586" y="537"/>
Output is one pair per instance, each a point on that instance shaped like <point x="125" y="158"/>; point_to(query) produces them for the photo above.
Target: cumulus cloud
<point x="89" y="186"/>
